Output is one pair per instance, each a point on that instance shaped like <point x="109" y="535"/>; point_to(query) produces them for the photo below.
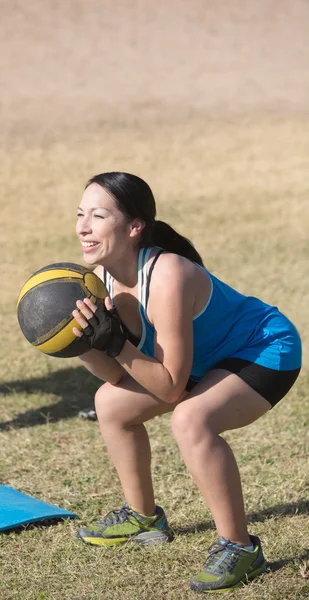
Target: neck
<point x="125" y="270"/>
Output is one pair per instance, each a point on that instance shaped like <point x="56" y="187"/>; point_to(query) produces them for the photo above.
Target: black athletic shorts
<point x="272" y="385"/>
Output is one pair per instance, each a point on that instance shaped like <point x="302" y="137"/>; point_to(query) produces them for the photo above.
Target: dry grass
<point x="239" y="189"/>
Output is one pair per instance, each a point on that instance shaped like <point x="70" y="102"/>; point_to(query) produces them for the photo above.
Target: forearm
<point x="149" y="373"/>
<point x="103" y="329"/>
<point x="103" y="367"/>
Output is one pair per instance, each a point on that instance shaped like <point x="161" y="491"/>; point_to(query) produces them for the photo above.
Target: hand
<point x="101" y="326"/>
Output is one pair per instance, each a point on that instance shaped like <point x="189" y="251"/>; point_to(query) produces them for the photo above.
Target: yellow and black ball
<point x="46" y="302"/>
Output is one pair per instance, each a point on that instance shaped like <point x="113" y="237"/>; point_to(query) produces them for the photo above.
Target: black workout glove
<point x="105" y="331"/>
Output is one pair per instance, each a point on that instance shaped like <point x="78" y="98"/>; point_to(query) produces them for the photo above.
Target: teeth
<point x="88" y="244"/>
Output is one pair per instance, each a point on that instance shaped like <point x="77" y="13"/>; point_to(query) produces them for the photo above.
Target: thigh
<point x="273" y="385"/>
<point x="129" y="402"/>
<point x="222" y="401"/>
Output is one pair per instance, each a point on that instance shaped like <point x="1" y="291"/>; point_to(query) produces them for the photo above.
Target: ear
<point x="136" y="227"/>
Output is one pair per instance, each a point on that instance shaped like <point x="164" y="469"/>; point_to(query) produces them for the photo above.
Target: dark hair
<point x="134" y="199"/>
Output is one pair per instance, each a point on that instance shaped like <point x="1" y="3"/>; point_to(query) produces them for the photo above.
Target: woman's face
<point x="103" y="230"/>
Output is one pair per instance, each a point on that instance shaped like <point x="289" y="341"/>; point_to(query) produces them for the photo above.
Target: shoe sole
<point x="156" y="537"/>
<point x="241" y="583"/>
<point x="144" y="539"/>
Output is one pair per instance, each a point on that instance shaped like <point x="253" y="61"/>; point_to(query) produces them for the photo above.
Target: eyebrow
<point x="95" y="208"/>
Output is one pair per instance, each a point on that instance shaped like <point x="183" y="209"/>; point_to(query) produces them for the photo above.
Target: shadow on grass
<point x="279" y="510"/>
<point x="276" y="565"/>
<point x="75" y="387"/>
<point x="42" y="524"/>
<point x="301" y="507"/>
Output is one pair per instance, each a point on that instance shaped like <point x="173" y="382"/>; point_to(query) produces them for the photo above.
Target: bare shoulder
<point x="175" y="278"/>
<point x="169" y="262"/>
<point x="172" y="267"/>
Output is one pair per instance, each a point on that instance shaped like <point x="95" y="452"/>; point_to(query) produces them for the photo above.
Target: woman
<point x="172" y="337"/>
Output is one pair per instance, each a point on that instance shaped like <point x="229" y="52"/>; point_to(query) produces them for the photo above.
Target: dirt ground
<point x="76" y="64"/>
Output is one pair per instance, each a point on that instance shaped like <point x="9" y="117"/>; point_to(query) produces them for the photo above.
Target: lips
<point x="88" y="246"/>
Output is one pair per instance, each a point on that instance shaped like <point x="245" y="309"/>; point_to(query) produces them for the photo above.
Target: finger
<point x="80" y="319"/>
<point x="90" y="304"/>
<point x="84" y="309"/>
<point x="77" y="332"/>
<point x="108" y="303"/>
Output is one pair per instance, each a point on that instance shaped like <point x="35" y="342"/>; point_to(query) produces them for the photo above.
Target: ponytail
<point x="161" y="234"/>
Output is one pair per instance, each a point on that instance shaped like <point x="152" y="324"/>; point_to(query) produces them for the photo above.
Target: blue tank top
<point x="230" y="325"/>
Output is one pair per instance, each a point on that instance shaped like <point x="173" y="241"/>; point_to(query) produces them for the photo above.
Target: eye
<point x="99" y="216"/>
<point x="79" y="215"/>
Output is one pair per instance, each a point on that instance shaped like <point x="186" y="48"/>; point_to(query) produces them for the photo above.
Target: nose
<point x="83" y="225"/>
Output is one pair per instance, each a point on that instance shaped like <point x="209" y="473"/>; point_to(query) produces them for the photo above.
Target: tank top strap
<point x="143" y="276"/>
<point x="108" y="282"/>
<point x="160" y="251"/>
<point x="143" y="257"/>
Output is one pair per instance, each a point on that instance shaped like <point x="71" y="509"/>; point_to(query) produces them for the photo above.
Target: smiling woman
<point x="172" y="337"/>
<point x="101" y="226"/>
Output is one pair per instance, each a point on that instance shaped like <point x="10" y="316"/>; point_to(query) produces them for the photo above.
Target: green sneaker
<point x="229" y="566"/>
<point x="123" y="525"/>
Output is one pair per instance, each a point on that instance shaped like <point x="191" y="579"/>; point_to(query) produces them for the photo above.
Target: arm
<point x="171" y="304"/>
<point x="103" y="367"/>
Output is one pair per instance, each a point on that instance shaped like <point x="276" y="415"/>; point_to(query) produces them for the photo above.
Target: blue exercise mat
<point x="18" y="509"/>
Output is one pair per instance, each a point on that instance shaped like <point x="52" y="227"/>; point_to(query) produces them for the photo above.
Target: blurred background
<point x="77" y="64"/>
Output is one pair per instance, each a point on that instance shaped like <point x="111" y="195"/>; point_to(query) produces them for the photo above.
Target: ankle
<point x="144" y="511"/>
<point x="244" y="541"/>
<point x="241" y="540"/>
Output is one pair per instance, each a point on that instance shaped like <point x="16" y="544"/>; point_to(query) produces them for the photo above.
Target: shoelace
<point x="216" y="551"/>
<point x="117" y="516"/>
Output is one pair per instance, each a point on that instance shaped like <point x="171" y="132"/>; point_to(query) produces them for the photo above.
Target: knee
<point x="189" y="426"/>
<point x="105" y="403"/>
<point x="185" y="425"/>
<point x="114" y="407"/>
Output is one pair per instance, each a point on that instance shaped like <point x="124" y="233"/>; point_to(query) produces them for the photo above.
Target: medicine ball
<point x="46" y="302"/>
